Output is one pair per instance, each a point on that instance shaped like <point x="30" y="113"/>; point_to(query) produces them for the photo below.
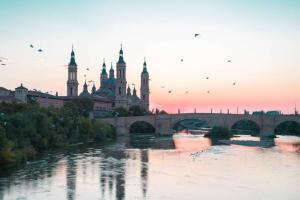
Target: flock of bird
<point x="2" y="59"/>
<point x="39" y="50"/>
<point x="3" y="63"/>
<point x="207" y="78"/>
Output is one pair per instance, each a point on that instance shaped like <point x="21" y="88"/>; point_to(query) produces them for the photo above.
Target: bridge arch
<point x="189" y="123"/>
<point x="141" y="126"/>
<point x="245" y="126"/>
<point x="288" y="127"/>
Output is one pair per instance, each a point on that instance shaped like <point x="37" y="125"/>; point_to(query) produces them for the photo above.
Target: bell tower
<point x="121" y="97"/>
<point x="145" y="92"/>
<point x="72" y="83"/>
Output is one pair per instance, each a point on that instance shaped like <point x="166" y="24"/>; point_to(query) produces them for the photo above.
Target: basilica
<point x="114" y="91"/>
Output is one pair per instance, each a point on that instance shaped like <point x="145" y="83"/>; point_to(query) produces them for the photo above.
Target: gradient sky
<point x="261" y="37"/>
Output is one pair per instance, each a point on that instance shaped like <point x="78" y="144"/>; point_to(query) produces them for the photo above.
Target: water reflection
<point x="144" y="171"/>
<point x="288" y="143"/>
<point x="71" y="178"/>
<point x="190" y="169"/>
<point x="192" y="144"/>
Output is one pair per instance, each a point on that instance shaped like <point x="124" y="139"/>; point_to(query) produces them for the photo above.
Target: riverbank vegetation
<point x="136" y="111"/>
<point x="219" y="132"/>
<point x="27" y="129"/>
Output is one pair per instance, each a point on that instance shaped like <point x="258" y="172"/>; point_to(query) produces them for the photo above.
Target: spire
<point x="103" y="68"/>
<point x="111" y="72"/>
<point x="72" y="53"/>
<point x="128" y="91"/>
<point x="85" y="87"/>
<point x="93" y="88"/>
<point x="144" y="67"/>
<point x="72" y="60"/>
<point x="121" y="50"/>
<point x="134" y="91"/>
<point x="121" y="58"/>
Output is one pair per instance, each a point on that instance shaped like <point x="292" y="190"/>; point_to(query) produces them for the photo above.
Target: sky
<point x="261" y="37"/>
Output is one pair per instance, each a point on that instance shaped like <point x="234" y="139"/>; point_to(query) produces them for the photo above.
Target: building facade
<point x="113" y="92"/>
<point x="115" y="89"/>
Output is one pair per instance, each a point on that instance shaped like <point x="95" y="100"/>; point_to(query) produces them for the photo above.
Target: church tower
<point x="121" y="97"/>
<point x="145" y="87"/>
<point x="103" y="75"/>
<point x="72" y="83"/>
<point x="111" y="72"/>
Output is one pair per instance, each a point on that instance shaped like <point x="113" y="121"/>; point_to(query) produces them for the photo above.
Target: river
<point x="146" y="167"/>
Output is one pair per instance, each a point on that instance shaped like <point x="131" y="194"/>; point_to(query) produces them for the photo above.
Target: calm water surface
<point x="156" y="168"/>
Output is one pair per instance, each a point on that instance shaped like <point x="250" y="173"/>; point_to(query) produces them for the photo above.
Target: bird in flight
<point x="181" y="60"/>
<point x="207" y="91"/>
<point x="229" y="61"/>
<point x="31" y="46"/>
<point x="234" y="83"/>
<point x="3" y="64"/>
<point x="197" y="34"/>
<point x="207" y="78"/>
<point x="170" y="91"/>
<point x="186" y="92"/>
<point x="40" y="50"/>
<point x="87" y="69"/>
<point x="162" y="86"/>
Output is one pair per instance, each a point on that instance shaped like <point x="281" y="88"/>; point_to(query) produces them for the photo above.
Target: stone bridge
<point x="164" y="123"/>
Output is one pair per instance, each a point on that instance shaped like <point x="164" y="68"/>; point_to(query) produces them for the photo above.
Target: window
<point x="120" y="90"/>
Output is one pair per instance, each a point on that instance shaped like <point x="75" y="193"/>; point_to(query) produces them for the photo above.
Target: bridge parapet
<point x="164" y="123"/>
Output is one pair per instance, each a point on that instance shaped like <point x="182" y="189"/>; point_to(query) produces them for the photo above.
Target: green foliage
<point x="162" y="112"/>
<point x="121" y="112"/>
<point x="104" y="130"/>
<point x="218" y="132"/>
<point x="2" y="137"/>
<point x="81" y="106"/>
<point x="133" y="111"/>
<point x="27" y="129"/>
<point x="137" y="111"/>
<point x="159" y="112"/>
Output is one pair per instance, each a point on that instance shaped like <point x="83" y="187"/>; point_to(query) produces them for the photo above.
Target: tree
<point x="121" y="112"/>
<point x="86" y="130"/>
<point x="137" y="111"/>
<point x="219" y="132"/>
<point x="2" y="137"/>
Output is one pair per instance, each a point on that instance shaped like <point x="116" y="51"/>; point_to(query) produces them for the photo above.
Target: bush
<point x="218" y="132"/>
<point x="27" y="129"/>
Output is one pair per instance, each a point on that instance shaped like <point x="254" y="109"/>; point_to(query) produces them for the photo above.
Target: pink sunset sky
<point x="260" y="37"/>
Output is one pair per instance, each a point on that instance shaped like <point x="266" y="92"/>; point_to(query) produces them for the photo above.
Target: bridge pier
<point x="163" y="125"/>
<point x="121" y="126"/>
<point x="266" y="132"/>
